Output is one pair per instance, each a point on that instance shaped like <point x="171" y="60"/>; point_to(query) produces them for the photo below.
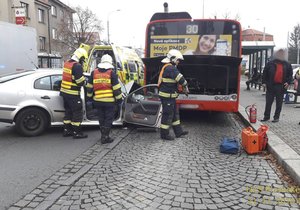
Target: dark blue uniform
<point x="169" y="79"/>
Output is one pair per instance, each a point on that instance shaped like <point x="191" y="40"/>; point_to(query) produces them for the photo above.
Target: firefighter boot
<point x="106" y="139"/>
<point x="164" y="134"/>
<point x="102" y="134"/>
<point x="179" y="132"/>
<point x="67" y="130"/>
<point x="77" y="133"/>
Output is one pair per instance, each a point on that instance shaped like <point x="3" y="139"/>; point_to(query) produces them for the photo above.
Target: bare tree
<point x="227" y="15"/>
<point x="76" y="29"/>
<point x="293" y="44"/>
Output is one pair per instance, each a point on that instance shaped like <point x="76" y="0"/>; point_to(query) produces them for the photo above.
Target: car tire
<point x="31" y="122"/>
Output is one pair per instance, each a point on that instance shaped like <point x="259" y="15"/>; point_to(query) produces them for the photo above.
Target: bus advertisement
<point x="212" y="57"/>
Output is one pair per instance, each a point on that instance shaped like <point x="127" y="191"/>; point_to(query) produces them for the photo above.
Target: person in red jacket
<point x="277" y="76"/>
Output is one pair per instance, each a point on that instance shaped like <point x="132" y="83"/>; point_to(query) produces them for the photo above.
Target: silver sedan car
<point x="32" y="102"/>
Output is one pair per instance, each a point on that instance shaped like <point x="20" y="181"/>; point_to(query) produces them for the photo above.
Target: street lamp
<point x="118" y="10"/>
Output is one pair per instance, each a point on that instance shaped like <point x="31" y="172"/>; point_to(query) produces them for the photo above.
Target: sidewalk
<point x="287" y="128"/>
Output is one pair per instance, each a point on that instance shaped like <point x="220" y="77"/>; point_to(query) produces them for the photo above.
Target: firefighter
<point x="103" y="86"/>
<point x="168" y="81"/>
<point x="72" y="81"/>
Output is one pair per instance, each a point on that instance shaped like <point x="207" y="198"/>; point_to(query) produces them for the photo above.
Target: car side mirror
<point x="57" y="85"/>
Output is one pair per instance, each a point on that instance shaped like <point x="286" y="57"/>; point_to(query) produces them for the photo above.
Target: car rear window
<point x="9" y="77"/>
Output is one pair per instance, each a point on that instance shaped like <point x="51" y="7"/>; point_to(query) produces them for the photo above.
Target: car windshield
<point x="9" y="77"/>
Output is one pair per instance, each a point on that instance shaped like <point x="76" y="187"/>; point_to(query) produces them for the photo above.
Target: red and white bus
<point x="212" y="56"/>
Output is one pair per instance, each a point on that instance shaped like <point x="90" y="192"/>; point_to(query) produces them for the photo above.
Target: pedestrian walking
<point x="277" y="76"/>
<point x="105" y="90"/>
<point x="168" y="81"/>
<point x="72" y="81"/>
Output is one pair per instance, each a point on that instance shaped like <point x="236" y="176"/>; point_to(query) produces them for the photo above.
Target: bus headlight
<point x="234" y="97"/>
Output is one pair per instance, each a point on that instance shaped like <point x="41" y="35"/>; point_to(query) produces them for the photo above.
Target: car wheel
<point x="31" y="122"/>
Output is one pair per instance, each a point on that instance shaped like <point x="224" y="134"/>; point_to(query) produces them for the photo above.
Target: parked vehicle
<point x="212" y="57"/>
<point x="31" y="101"/>
<point x="19" y="42"/>
<point x="129" y="66"/>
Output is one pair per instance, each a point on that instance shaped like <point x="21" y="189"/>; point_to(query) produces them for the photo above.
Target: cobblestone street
<point x="287" y="128"/>
<point x="144" y="172"/>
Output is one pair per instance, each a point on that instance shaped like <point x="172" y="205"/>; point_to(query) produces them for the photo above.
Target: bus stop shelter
<point x="258" y="52"/>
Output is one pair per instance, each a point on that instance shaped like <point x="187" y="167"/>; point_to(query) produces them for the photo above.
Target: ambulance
<point x="128" y="65"/>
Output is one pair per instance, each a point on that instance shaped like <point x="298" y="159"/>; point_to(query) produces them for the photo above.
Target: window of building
<point x="62" y="13"/>
<point x="42" y="43"/>
<point x="41" y="16"/>
<point x="56" y="63"/>
<point x="54" y="33"/>
<point x="69" y="24"/>
<point x="53" y="11"/>
<point x="26" y="6"/>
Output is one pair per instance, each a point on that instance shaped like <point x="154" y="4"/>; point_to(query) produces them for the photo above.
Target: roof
<point x="249" y="47"/>
<point x="253" y="31"/>
<point x="258" y="44"/>
<point x="64" y="5"/>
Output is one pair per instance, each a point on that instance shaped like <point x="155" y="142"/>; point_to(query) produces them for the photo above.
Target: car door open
<point x="143" y="106"/>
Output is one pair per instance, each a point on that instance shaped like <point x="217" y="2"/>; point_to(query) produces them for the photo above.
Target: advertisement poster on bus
<point x="208" y="44"/>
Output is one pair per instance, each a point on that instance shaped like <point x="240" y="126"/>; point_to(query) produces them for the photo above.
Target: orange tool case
<point x="250" y="141"/>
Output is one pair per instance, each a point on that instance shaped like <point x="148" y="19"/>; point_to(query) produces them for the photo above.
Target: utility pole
<point x="108" y="40"/>
<point x="202" y="9"/>
<point x="298" y="53"/>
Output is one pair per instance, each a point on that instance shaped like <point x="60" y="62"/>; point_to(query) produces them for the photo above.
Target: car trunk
<point x="206" y="75"/>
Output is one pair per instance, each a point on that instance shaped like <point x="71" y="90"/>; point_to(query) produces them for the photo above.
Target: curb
<point x="285" y="155"/>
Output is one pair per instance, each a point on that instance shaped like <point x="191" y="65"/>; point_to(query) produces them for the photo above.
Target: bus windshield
<point x="194" y="37"/>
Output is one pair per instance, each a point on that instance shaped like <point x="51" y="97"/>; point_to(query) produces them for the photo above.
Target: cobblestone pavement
<point x="144" y="172"/>
<point x="287" y="128"/>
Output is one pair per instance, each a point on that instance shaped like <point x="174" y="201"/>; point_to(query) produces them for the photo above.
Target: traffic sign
<point x="20" y="20"/>
<point x="20" y="12"/>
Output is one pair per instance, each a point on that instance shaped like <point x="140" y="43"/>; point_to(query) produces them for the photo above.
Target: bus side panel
<point x="221" y="106"/>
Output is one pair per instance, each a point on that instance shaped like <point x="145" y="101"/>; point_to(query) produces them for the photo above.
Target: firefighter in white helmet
<point x="72" y="81"/>
<point x="168" y="81"/>
<point x="105" y="89"/>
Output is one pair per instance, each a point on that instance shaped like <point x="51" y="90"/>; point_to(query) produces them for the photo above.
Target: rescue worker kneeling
<point x="104" y="87"/>
<point x="72" y="81"/>
<point x="168" y="81"/>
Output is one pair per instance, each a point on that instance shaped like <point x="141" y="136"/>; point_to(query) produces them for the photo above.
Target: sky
<point x="128" y="26"/>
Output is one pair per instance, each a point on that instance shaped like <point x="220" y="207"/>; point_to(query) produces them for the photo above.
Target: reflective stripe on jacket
<point x="160" y="78"/>
<point x="102" y="86"/>
<point x="168" y="81"/>
<point x="69" y="84"/>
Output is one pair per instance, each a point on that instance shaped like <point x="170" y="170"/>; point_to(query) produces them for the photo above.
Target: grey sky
<point x="127" y="27"/>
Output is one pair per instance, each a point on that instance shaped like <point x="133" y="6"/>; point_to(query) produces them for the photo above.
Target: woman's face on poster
<point x="207" y="43"/>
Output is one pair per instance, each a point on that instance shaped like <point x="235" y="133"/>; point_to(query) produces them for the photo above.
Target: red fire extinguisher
<point x="251" y="112"/>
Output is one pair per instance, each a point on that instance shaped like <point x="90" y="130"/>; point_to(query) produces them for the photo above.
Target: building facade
<point x="45" y="16"/>
<point x="255" y="35"/>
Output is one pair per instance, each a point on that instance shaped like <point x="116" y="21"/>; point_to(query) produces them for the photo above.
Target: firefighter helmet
<point x="80" y="52"/>
<point x="106" y="62"/>
<point x="173" y="56"/>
